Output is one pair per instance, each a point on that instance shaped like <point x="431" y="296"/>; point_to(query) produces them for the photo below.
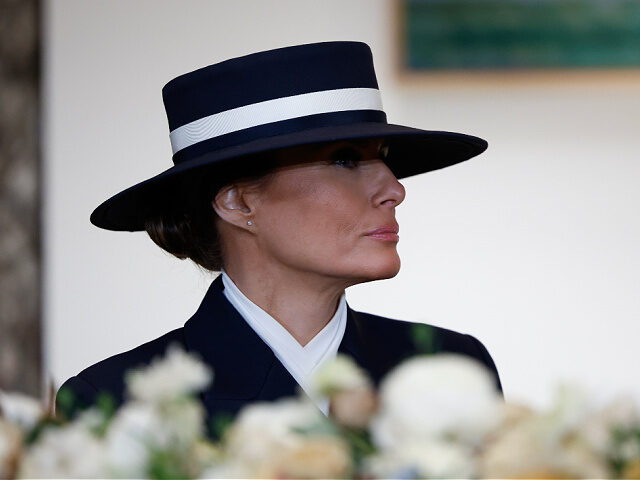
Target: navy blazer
<point x="246" y="369"/>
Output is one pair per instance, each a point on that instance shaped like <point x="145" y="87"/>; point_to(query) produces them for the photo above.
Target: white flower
<point x="230" y="468"/>
<point x="20" y="409"/>
<point x="91" y="419"/>
<point x="341" y="373"/>
<point x="205" y="457"/>
<point x="316" y="456"/>
<point x="570" y="409"/>
<point x="531" y="449"/>
<point x="620" y="412"/>
<point x="66" y="452"/>
<point x="353" y="408"/>
<point x="184" y="420"/>
<point x="140" y="428"/>
<point x="439" y="396"/>
<point x="136" y="429"/>
<point x="423" y="459"/>
<point x="174" y="375"/>
<point x="262" y="431"/>
<point x="351" y="395"/>
<point x="546" y="444"/>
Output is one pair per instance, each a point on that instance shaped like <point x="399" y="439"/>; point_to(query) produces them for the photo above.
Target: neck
<point x="301" y="302"/>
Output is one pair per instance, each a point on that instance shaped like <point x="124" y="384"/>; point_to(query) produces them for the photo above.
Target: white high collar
<point x="301" y="361"/>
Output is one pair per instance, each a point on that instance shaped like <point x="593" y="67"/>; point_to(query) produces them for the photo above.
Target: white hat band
<point x="276" y="110"/>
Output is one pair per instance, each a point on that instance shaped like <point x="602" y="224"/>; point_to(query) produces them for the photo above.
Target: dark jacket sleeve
<point x="484" y="356"/>
<point x="385" y="343"/>
<point x="106" y="379"/>
<point x="75" y="395"/>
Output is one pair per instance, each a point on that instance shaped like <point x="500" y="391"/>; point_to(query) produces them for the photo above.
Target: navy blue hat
<point x="221" y="115"/>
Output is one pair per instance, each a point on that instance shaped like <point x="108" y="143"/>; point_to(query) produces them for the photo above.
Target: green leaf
<point x="423" y="338"/>
<point x="360" y="442"/>
<point x="167" y="464"/>
<point x="65" y="403"/>
<point x="322" y="427"/>
<point x="219" y="424"/>
<point x="41" y="426"/>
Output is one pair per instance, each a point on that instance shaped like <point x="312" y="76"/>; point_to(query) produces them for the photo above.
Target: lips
<point x="386" y="232"/>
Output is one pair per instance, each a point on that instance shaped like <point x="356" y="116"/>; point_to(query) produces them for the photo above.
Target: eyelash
<point x="346" y="163"/>
<point x="350" y="158"/>
<point x="347" y="158"/>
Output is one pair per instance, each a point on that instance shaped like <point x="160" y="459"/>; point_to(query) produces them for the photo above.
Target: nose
<point x="388" y="190"/>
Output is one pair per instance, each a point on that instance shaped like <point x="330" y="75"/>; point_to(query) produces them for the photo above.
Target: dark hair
<point x="185" y="224"/>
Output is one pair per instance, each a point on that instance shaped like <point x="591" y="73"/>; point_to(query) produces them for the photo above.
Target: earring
<point x="249" y="223"/>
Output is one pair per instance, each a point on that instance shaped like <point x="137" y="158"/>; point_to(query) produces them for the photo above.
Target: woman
<point x="285" y="179"/>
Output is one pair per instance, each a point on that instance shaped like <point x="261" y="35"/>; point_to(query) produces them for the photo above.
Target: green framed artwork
<point x="521" y="34"/>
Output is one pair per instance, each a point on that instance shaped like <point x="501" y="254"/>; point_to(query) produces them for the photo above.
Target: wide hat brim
<point x="411" y="151"/>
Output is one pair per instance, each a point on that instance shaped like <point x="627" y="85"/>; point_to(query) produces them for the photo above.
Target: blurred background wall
<point x="532" y="247"/>
<point x="20" y="352"/>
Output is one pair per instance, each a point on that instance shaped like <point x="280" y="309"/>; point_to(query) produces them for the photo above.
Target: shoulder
<point x="108" y="375"/>
<point x="109" y="371"/>
<point x="418" y="334"/>
<point x="403" y="339"/>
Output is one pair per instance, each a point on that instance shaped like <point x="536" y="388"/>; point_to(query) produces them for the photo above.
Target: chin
<point x="380" y="269"/>
<point x="389" y="272"/>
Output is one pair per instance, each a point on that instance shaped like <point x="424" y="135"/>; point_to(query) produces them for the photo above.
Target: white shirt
<point x="301" y="361"/>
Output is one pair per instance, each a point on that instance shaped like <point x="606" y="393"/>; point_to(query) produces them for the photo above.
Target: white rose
<point x="423" y="459"/>
<point x="562" y="433"/>
<point x="439" y="396"/>
<point x="20" y="409"/>
<point x="349" y="389"/>
<point x="353" y="408"/>
<point x="135" y="429"/>
<point x="570" y="409"/>
<point x="518" y="450"/>
<point x="578" y="460"/>
<point x="341" y="373"/>
<point x="184" y="420"/>
<point x="227" y="469"/>
<point x="90" y="419"/>
<point x="263" y="430"/>
<point x="65" y="452"/>
<point x="316" y="456"/>
<point x="546" y="444"/>
<point x="620" y="412"/>
<point x="140" y="428"/>
<point x="174" y="375"/>
<point x="529" y="450"/>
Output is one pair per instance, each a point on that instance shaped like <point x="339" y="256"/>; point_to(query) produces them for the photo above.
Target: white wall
<point x="532" y="247"/>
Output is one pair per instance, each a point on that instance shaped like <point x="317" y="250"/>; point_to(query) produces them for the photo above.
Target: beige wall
<point x="532" y="247"/>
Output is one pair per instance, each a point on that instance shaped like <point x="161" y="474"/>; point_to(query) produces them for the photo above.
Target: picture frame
<point x="539" y="40"/>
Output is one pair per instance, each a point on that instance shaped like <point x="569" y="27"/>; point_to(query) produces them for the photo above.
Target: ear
<point x="232" y="205"/>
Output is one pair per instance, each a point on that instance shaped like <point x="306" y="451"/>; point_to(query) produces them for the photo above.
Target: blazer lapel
<point x="244" y="367"/>
<point x="361" y="346"/>
<point x="352" y="344"/>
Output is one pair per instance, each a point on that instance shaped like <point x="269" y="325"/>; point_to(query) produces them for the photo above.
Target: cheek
<point x="333" y="215"/>
<point x="323" y="219"/>
<point x="319" y="227"/>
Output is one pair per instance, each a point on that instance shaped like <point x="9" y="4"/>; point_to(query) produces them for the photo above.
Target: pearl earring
<point x="249" y="223"/>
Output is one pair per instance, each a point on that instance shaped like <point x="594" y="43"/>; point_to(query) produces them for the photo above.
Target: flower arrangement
<point x="419" y="424"/>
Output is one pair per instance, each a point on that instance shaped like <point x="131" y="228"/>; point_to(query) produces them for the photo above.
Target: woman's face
<point x="330" y="210"/>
